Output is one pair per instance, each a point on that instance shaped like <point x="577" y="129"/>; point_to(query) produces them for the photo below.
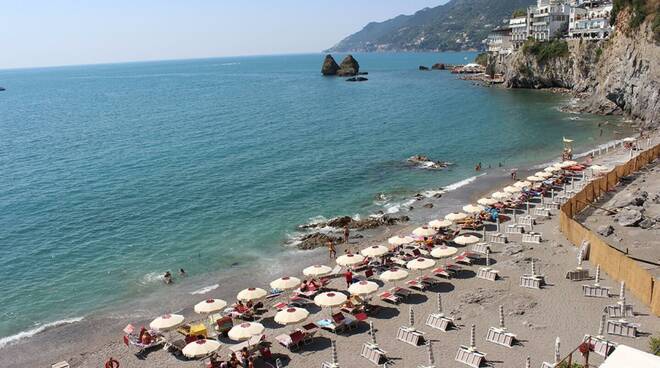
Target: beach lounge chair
<point x="463" y="258"/>
<point x="342" y="320"/>
<point x="500" y="336"/>
<point x="595" y="291"/>
<point x="410" y="335"/>
<point x="480" y="248"/>
<point x="470" y="357"/>
<point x="453" y="268"/>
<point x="223" y="325"/>
<point x="487" y="273"/>
<point x="600" y="346"/>
<point x="622" y="328"/>
<point x="403" y="293"/>
<point x="532" y="237"/>
<point x="416" y="284"/>
<point x="253" y="344"/>
<point x="619" y="311"/>
<point x="427" y="280"/>
<point x="440" y="322"/>
<point x="531" y="281"/>
<point x="336" y="272"/>
<point x="374" y="354"/>
<point x="291" y="341"/>
<point x="386" y="296"/>
<point x="441" y="272"/>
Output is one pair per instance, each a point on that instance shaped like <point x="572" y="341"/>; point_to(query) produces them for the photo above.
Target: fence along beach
<point x="539" y="312"/>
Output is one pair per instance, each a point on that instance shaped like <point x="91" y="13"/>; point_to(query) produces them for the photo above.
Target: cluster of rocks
<point x="349" y="67"/>
<point x="425" y="162"/>
<point x="632" y="211"/>
<point x="436" y="66"/>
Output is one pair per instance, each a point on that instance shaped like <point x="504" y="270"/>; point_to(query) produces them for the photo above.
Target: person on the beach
<point x="514" y="174"/>
<point x="233" y="361"/>
<point x="332" y="251"/>
<point x="346" y="234"/>
<point x="349" y="277"/>
<point x="478" y="167"/>
<point x="245" y="356"/>
<point x="167" y="278"/>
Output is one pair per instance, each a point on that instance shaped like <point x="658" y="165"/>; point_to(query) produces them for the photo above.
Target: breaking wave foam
<point x="29" y="333"/>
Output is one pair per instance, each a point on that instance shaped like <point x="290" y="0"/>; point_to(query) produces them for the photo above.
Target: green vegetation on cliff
<point x="482" y="59"/>
<point x="456" y="25"/>
<point x="544" y="51"/>
<point x="519" y="13"/>
<point x="639" y="10"/>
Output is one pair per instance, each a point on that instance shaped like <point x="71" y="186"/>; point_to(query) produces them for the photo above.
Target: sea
<point x="113" y="174"/>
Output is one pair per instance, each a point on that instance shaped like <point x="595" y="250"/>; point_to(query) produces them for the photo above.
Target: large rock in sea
<point x="349" y="67"/>
<point x="330" y="66"/>
<point x="438" y="66"/>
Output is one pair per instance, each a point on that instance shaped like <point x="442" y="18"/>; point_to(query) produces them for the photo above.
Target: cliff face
<point x="618" y="75"/>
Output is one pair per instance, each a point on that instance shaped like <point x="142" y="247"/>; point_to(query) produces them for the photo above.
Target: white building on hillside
<point x="549" y="19"/>
<point x="590" y="20"/>
<point x="499" y="41"/>
<point x="519" y="31"/>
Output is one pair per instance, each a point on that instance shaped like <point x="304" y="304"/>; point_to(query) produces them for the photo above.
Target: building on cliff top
<point x="499" y="41"/>
<point x="590" y="20"/>
<point x="549" y="19"/>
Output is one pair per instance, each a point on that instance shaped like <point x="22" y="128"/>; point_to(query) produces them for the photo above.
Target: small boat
<point x="2" y="89"/>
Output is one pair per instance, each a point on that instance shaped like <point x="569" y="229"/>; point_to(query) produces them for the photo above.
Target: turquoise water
<point x="112" y="174"/>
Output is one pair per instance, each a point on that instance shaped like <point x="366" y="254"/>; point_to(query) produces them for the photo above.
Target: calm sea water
<point x="112" y="174"/>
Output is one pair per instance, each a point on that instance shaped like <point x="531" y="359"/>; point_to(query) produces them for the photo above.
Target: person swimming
<point x="167" y="278"/>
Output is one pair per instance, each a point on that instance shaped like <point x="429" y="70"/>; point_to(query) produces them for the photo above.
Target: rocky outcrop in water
<point x="438" y="66"/>
<point x="317" y="240"/>
<point x="620" y="75"/>
<point x="330" y="66"/>
<point x="425" y="162"/>
<point x="371" y="222"/>
<point x="423" y="68"/>
<point x="349" y="67"/>
<point x="357" y="79"/>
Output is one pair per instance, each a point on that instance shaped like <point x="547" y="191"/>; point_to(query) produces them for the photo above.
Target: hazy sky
<point x="61" y="32"/>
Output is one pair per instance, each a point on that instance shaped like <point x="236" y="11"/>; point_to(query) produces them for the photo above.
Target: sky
<point x="37" y="33"/>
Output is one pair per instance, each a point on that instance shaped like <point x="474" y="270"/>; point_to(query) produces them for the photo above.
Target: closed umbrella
<point x="393" y="275"/>
<point x="457" y="216"/>
<point x="317" y="271"/>
<point x="470" y="208"/>
<point x="285" y="283"/>
<point x="420" y="264"/>
<point x="487" y="201"/>
<point x="501" y="195"/>
<point x="210" y="306"/>
<point x="466" y="240"/>
<point x="330" y="299"/>
<point x="511" y="189"/>
<point x="251" y="294"/>
<point x="400" y="240"/>
<point x="200" y="348"/>
<point x="440" y="224"/>
<point x="166" y="322"/>
<point x="424" y="231"/>
<point x="350" y="259"/>
<point x="443" y="252"/>
<point x="522" y="184"/>
<point x="374" y="251"/>
<point x="363" y="288"/>
<point x="291" y="316"/>
<point x="245" y="331"/>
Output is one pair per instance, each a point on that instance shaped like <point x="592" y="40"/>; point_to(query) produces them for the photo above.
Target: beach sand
<point x="537" y="317"/>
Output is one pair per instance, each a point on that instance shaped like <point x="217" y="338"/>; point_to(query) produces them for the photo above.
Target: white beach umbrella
<point x="245" y="331"/>
<point x="443" y="252"/>
<point x="420" y="264"/>
<point x="522" y="184"/>
<point x="350" y="259"/>
<point x="552" y="169"/>
<point x="291" y="316"/>
<point x="440" y="224"/>
<point x="456" y="216"/>
<point x="629" y="139"/>
<point x="285" y="283"/>
<point x="330" y="299"/>
<point x="543" y="174"/>
<point x="210" y="306"/>
<point x="363" y="288"/>
<point x="400" y="240"/>
<point x="566" y="164"/>
<point x="374" y="251"/>
<point x="200" y="348"/>
<point x="251" y="294"/>
<point x="487" y="201"/>
<point x="424" y="231"/>
<point x="598" y="168"/>
<point x="166" y="322"/>
<point x="470" y="208"/>
<point x="466" y="240"/>
<point x="317" y="270"/>
<point x="535" y="179"/>
<point x="501" y="195"/>
<point x="393" y="275"/>
<point x="511" y="189"/>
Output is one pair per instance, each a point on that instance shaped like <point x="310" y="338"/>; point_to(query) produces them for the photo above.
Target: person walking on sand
<point x="332" y="251"/>
<point x="349" y="277"/>
<point x="346" y="234"/>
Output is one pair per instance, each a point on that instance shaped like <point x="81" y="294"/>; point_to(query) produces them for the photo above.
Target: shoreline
<point x="182" y="296"/>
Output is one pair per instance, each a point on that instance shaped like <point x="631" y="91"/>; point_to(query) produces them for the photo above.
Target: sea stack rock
<point x="424" y="68"/>
<point x="438" y="66"/>
<point x="330" y="66"/>
<point x="349" y="67"/>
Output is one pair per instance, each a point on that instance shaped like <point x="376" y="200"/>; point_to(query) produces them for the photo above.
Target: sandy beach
<point x="536" y="317"/>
